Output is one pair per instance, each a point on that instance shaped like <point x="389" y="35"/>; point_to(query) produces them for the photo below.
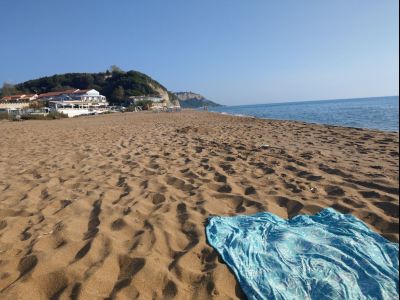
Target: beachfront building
<point x="20" y="98"/>
<point x="158" y="106"/>
<point x="157" y="103"/>
<point x="72" y="102"/>
<point x="57" y="96"/>
<point x="16" y="103"/>
<point x="165" y="106"/>
<point x="152" y="98"/>
<point x="90" y="96"/>
<point x="76" y="102"/>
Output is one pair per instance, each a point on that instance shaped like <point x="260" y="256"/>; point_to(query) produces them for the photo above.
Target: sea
<point x="381" y="113"/>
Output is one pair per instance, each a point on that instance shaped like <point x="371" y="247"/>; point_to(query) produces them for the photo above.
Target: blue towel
<point x="326" y="256"/>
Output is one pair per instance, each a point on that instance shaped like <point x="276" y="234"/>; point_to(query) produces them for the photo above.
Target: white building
<point x="77" y="102"/>
<point x="90" y="96"/>
<point x="152" y="98"/>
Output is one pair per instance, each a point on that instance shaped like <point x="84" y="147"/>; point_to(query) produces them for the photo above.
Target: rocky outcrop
<point x="193" y="100"/>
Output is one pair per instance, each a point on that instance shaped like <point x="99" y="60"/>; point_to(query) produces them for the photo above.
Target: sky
<point x="231" y="51"/>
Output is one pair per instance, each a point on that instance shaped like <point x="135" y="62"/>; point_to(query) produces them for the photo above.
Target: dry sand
<point x="115" y="206"/>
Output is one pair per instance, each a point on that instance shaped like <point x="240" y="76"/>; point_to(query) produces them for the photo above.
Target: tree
<point x="116" y="69"/>
<point x="132" y="83"/>
<point x="8" y="89"/>
<point x="143" y="104"/>
<point x="118" y="94"/>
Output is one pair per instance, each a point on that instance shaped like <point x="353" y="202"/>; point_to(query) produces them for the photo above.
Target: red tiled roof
<point x="17" y="97"/>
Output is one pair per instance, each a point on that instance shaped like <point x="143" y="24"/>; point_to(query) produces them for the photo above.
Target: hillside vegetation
<point x="115" y="84"/>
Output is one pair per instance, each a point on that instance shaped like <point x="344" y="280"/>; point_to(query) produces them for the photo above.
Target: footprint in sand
<point x="189" y="230"/>
<point x="293" y="206"/>
<point x="208" y="259"/>
<point x="128" y="268"/>
<point x="179" y="184"/>
<point x="158" y="198"/>
<point x="370" y="194"/>
<point x="94" y="221"/>
<point x="224" y="189"/>
<point x="83" y="251"/>
<point x="333" y="190"/>
<point x="250" y="191"/>
<point x="170" y="290"/>
<point x="3" y="224"/>
<point x="118" y="224"/>
<point x="220" y="178"/>
<point x="228" y="169"/>
<point x="391" y="209"/>
<point x="25" y="266"/>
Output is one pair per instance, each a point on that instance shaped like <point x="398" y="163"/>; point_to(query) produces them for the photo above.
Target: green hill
<point x="116" y="85"/>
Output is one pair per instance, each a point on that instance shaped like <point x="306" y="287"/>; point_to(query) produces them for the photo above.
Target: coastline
<point x="302" y="122"/>
<point x="82" y="197"/>
<point x="376" y="113"/>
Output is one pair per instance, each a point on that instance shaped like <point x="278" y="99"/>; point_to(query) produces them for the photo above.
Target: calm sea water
<point x="380" y="113"/>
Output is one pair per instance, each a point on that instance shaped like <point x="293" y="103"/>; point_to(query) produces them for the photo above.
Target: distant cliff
<point x="192" y="100"/>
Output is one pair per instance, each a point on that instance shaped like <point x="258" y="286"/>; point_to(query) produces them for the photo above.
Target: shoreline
<point x="377" y="113"/>
<point x="224" y="114"/>
<point x="302" y="122"/>
<point x="81" y="198"/>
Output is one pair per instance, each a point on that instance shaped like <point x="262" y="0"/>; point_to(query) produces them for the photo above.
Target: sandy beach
<point x="115" y="206"/>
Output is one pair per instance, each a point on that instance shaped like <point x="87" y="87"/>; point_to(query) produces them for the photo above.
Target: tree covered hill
<point x="115" y="84"/>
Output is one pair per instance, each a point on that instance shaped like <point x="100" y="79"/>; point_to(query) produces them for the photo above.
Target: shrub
<point x="50" y="116"/>
<point x="4" y="116"/>
<point x="144" y="104"/>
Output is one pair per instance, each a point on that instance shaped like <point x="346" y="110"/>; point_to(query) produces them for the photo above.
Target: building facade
<point x="89" y="96"/>
<point x="152" y="98"/>
<point x="16" y="102"/>
<point x="73" y="98"/>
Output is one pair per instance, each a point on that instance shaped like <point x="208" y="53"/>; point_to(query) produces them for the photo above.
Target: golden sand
<point x="115" y="206"/>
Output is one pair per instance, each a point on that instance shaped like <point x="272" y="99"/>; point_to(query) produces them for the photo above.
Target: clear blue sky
<point x="231" y="51"/>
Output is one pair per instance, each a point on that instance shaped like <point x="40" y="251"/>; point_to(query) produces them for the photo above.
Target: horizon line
<point x="312" y="100"/>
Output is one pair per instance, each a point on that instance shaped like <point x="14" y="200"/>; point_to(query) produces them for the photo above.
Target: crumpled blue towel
<point x="326" y="256"/>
